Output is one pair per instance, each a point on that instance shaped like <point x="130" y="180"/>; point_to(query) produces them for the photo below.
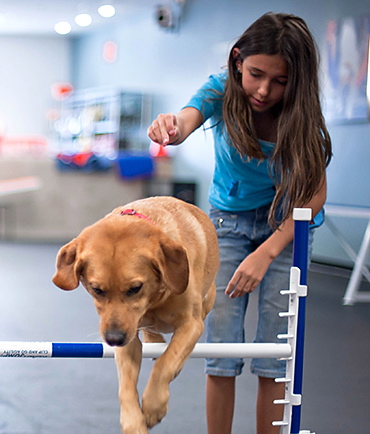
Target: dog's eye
<point x="135" y="288"/>
<point x="97" y="290"/>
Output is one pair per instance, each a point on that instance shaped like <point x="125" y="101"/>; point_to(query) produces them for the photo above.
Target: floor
<point x="79" y="396"/>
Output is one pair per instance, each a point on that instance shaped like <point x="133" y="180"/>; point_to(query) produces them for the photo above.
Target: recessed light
<point x="63" y="28"/>
<point x="107" y="11"/>
<point x="83" y="20"/>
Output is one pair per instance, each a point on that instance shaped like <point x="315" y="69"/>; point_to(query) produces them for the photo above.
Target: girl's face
<point x="264" y="79"/>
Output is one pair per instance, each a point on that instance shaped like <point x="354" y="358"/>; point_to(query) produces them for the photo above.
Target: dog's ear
<point x="174" y="266"/>
<point x="68" y="268"/>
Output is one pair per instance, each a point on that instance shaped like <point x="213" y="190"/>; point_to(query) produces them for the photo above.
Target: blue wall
<point x="171" y="65"/>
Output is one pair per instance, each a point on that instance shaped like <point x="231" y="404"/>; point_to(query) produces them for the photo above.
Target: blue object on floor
<point x="135" y="165"/>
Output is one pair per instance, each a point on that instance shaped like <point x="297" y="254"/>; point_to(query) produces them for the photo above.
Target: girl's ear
<point x="237" y="59"/>
<point x="236" y="53"/>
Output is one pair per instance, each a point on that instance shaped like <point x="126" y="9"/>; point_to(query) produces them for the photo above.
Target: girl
<point x="271" y="149"/>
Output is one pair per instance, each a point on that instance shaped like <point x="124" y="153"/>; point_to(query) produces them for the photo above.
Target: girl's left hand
<point x="248" y="275"/>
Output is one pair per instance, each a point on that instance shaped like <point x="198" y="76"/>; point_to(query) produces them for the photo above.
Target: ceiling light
<point x="107" y="11"/>
<point x="83" y="20"/>
<point x="63" y="28"/>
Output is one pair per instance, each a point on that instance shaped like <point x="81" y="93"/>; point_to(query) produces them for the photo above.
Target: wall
<point x="29" y="66"/>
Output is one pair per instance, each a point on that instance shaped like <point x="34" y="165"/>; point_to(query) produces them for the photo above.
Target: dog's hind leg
<point x="128" y="362"/>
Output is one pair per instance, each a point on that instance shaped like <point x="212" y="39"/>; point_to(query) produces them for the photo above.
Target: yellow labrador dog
<point x="149" y="266"/>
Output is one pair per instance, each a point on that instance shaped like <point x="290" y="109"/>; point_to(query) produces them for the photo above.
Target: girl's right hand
<point x="164" y="130"/>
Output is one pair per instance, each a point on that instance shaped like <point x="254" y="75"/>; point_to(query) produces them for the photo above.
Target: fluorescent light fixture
<point x="107" y="11"/>
<point x="83" y="20"/>
<point x="63" y="28"/>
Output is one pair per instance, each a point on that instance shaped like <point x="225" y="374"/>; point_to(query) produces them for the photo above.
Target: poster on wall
<point x="346" y="70"/>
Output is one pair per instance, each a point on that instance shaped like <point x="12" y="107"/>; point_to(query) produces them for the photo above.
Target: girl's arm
<point x="171" y="129"/>
<point x="252" y="270"/>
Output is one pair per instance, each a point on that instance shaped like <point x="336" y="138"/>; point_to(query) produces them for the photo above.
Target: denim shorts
<point x="239" y="234"/>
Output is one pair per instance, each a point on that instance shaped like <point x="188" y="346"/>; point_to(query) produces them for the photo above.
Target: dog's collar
<point x="131" y="211"/>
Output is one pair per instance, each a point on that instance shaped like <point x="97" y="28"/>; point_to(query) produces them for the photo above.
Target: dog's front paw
<point x="133" y="424"/>
<point x="155" y="405"/>
<point x="134" y="430"/>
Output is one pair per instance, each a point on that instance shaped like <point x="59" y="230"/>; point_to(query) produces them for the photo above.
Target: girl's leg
<point x="267" y="411"/>
<point x="270" y="324"/>
<point x="225" y="322"/>
<point x="220" y="404"/>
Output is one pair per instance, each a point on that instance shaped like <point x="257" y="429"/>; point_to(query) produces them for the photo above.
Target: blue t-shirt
<point x="238" y="184"/>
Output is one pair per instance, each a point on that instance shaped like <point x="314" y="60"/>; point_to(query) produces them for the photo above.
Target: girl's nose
<point x="264" y="88"/>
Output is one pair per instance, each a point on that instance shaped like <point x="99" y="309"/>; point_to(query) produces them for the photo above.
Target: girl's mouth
<point x="259" y="103"/>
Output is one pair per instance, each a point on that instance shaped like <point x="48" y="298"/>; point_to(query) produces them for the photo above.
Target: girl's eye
<point x="134" y="289"/>
<point x="97" y="290"/>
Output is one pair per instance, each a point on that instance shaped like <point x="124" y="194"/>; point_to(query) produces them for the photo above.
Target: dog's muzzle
<point x="115" y="338"/>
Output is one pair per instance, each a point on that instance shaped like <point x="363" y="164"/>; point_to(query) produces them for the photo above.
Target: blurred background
<point x="79" y="87"/>
<point x="74" y="108"/>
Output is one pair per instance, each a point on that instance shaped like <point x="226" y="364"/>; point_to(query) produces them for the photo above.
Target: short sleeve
<point x="208" y="99"/>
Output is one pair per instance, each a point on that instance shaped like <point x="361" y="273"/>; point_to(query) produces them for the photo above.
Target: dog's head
<point x="127" y="269"/>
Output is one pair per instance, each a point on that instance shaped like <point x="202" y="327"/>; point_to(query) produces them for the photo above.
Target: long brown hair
<point x="303" y="146"/>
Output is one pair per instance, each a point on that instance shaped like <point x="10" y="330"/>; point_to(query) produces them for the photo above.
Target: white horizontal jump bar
<point x="150" y="350"/>
<point x="202" y="351"/>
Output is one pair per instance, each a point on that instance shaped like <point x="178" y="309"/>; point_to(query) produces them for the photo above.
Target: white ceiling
<point x="38" y="17"/>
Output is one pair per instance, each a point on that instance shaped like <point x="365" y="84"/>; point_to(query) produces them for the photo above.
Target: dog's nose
<point x="115" y="338"/>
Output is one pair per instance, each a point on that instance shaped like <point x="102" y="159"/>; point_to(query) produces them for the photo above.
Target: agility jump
<point x="292" y="351"/>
